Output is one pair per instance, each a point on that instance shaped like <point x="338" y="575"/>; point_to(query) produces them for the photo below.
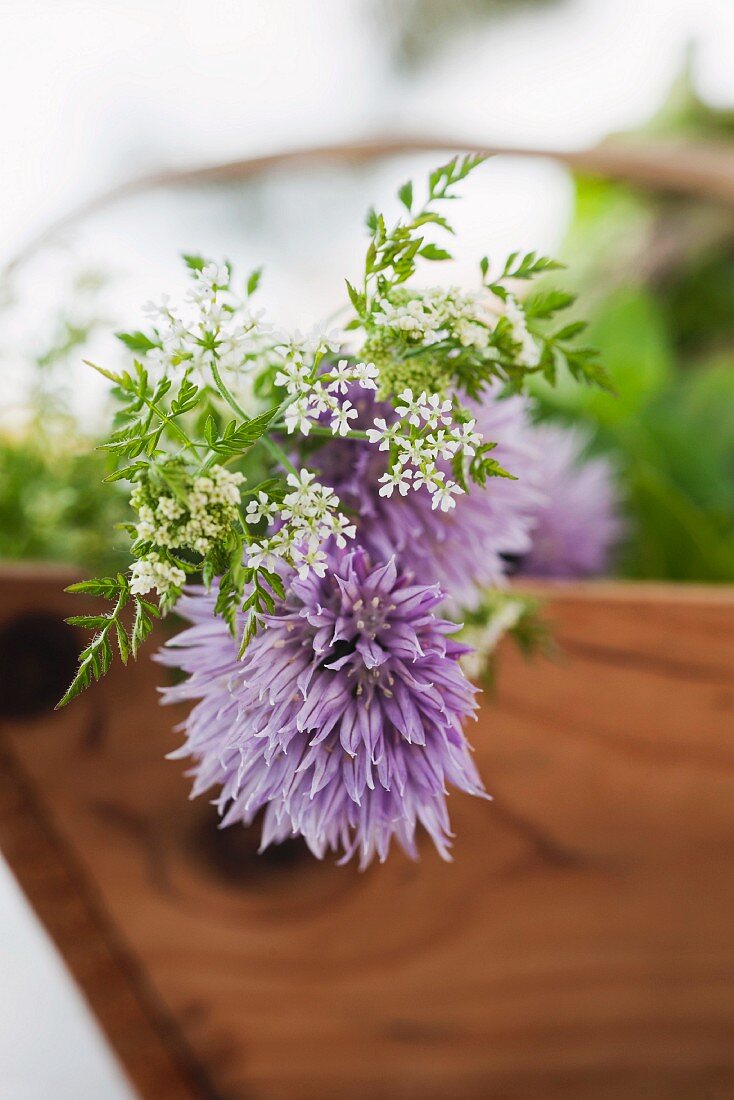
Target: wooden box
<point x="581" y="944"/>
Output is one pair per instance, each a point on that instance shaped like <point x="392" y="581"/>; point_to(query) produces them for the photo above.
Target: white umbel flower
<point x="529" y="354"/>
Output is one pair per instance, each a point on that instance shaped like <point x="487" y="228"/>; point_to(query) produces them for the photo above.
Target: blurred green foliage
<point x="671" y="433"/>
<point x="417" y="30"/>
<point x="655" y="276"/>
<point x="53" y="503"/>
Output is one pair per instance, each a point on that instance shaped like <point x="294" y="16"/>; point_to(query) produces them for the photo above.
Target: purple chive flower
<point x="343" y="721"/>
<point x="578" y="523"/>
<point x="462" y="550"/>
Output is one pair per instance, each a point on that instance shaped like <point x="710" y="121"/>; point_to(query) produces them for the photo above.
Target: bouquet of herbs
<point x="325" y="509"/>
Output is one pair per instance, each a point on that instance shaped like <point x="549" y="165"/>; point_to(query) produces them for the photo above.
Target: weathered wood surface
<point x="581" y="944"/>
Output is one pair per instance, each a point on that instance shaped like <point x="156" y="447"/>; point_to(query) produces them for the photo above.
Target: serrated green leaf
<point x="568" y="332"/>
<point x="237" y="438"/>
<point x="355" y="298"/>
<point x="127" y="473"/>
<point x="210" y="430"/>
<point x="142" y="626"/>
<point x="123" y="642"/>
<point x="546" y="304"/>
<point x="161" y="389"/>
<point x="405" y="194"/>
<point x="193" y="262"/>
<point x="99" y="586"/>
<point x="433" y="252"/>
<point x="123" y="380"/>
<point x="275" y="582"/>
<point x="137" y="341"/>
<point x="89" y="622"/>
<point x="266" y="599"/>
<point x="150" y="608"/>
<point x="248" y="633"/>
<point x="186" y="397"/>
<point x="253" y="281"/>
<point x="80" y="683"/>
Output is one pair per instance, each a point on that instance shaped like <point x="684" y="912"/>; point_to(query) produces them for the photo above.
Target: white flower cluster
<point x="423" y="434"/>
<point x="529" y="354"/>
<point x="211" y="323"/>
<point x="318" y="341"/>
<point x="210" y="508"/>
<point x="310" y="515"/>
<point x="432" y="315"/>
<point x="214" y="326"/>
<point x="486" y="638"/>
<point x="324" y="394"/>
<point x="151" y="572"/>
<point x="429" y="316"/>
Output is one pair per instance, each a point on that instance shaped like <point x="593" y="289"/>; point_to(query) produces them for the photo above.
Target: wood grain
<point x="580" y="944"/>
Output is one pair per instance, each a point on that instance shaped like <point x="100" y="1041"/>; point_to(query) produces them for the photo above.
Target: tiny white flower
<point x="169" y="508"/>
<point x="171" y="575"/>
<point x="443" y="445"/>
<point x="413" y="450"/>
<point x="443" y="496"/>
<point x="411" y="409"/>
<point x="293" y="376"/>
<point x="344" y="376"/>
<point x="434" y="409"/>
<point x="215" y="274"/>
<point x="145" y="530"/>
<point x="341" y="417"/>
<point x="158" y="310"/>
<point x="297" y="416"/>
<point x="312" y="558"/>
<point x="300" y="480"/>
<point x="342" y="530"/>
<point x="382" y="434"/>
<point x="142" y="577"/>
<point x="257" y="554"/>
<point x="398" y="478"/>
<point x="261" y="507"/>
<point x="367" y="375"/>
<point x="429" y="476"/>
<point x="318" y="339"/>
<point x="319" y="401"/>
<point x="468" y="439"/>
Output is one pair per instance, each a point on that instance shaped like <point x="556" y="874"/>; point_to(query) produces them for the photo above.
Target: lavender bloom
<point x="344" y="718"/>
<point x="461" y="550"/>
<point x="578" y="524"/>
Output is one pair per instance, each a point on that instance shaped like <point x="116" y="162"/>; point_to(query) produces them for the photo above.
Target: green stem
<point x="210" y="459"/>
<point x="171" y="424"/>
<point x="424" y="348"/>
<point x="244" y="528"/>
<point x="226" y="394"/>
<point x="326" y="433"/>
<point x="279" y="454"/>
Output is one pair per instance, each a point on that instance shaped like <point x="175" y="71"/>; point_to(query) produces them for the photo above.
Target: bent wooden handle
<point x="701" y="170"/>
